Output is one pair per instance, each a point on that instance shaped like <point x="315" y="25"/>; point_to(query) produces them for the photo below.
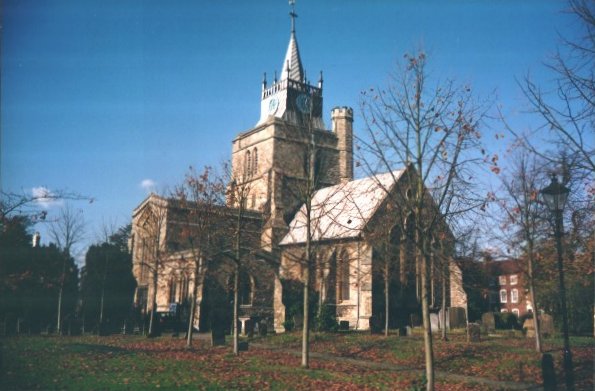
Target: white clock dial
<point x="273" y="105"/>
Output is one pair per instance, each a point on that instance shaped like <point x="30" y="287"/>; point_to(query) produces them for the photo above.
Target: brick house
<point x="508" y="291"/>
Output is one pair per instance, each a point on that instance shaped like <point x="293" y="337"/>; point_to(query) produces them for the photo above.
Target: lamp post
<point x="555" y="196"/>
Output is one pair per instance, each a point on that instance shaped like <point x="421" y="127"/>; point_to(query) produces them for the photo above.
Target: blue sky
<point x="99" y="96"/>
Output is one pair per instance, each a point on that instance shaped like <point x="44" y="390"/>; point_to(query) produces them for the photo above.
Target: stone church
<point x="286" y="156"/>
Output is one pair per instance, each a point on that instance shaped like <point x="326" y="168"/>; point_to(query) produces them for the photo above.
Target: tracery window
<point x="342" y="277"/>
<point x="255" y="161"/>
<point x="247" y="165"/>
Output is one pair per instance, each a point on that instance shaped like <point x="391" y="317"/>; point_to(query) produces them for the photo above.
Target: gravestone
<point x="249" y="328"/>
<point x="434" y="323"/>
<point x="546" y="321"/>
<point x="262" y="328"/>
<point x="415" y="320"/>
<point x="218" y="330"/>
<point x="447" y="319"/>
<point x="375" y="324"/>
<point x="529" y="328"/>
<point x="457" y="317"/>
<point x="217" y="336"/>
<point x="473" y="333"/>
<point x="488" y="322"/>
<point x="408" y="331"/>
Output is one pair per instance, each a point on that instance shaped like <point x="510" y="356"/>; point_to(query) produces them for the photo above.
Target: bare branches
<point x="567" y="112"/>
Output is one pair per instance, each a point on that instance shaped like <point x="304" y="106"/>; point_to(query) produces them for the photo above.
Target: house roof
<point x="342" y="211"/>
<point x="504" y="267"/>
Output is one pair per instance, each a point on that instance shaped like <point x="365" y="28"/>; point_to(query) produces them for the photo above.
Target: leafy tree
<point x="107" y="283"/>
<point x="30" y="279"/>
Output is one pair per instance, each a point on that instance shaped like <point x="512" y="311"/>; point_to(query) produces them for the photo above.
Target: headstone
<point x="447" y="319"/>
<point x="262" y="328"/>
<point x="434" y="323"/>
<point x="375" y="324"/>
<point x="457" y="317"/>
<point x="488" y="322"/>
<point x="529" y="328"/>
<point x="217" y="336"/>
<point x="473" y="333"/>
<point x="243" y="346"/>
<point x="546" y="323"/>
<point x="408" y="331"/>
<point x="415" y="320"/>
<point x="249" y="328"/>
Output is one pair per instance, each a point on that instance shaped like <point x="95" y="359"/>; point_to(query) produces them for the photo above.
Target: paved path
<point x="494" y="384"/>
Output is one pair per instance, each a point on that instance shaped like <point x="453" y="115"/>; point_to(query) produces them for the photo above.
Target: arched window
<point x="247" y="165"/>
<point x="255" y="161"/>
<point x="245" y="291"/>
<point x="342" y="277"/>
<point x="172" y="291"/>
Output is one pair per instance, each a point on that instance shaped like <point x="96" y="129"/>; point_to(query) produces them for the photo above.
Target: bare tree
<point x="567" y="111"/>
<point x="67" y="231"/>
<point x="434" y="132"/>
<point x="201" y="196"/>
<point x="522" y="218"/>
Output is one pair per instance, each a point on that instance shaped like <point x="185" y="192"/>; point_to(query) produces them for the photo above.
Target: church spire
<point x="292" y="65"/>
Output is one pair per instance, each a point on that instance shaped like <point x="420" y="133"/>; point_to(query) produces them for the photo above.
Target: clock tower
<point x="269" y="159"/>
<point x="291" y="97"/>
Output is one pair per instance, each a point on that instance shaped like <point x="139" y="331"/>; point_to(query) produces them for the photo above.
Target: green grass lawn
<point x="134" y="362"/>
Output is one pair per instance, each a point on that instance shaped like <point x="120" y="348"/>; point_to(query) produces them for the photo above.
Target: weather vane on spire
<point x="293" y="15"/>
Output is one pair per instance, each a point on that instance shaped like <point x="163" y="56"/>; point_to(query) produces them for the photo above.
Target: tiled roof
<point x="342" y="211"/>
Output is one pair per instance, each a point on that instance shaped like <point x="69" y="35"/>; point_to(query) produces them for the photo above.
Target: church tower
<point x="270" y="159"/>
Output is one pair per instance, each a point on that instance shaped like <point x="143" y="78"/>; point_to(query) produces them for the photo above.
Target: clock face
<point x="304" y="103"/>
<point x="273" y="105"/>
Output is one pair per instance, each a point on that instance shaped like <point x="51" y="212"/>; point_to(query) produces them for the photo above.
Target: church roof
<point x="342" y="211"/>
<point x="292" y="66"/>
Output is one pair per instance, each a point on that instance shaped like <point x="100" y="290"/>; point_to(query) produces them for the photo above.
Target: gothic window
<point x="515" y="311"/>
<point x="343" y="277"/>
<point x="185" y="283"/>
<point x="514" y="279"/>
<point x="255" y="161"/>
<point x="247" y="165"/>
<point x="172" y="290"/>
<point x="246" y="290"/>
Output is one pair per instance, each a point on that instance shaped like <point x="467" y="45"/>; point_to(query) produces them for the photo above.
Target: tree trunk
<point x="153" y="306"/>
<point x="425" y="310"/>
<point x="386" y="294"/>
<point x="444" y="286"/>
<point x="236" y="284"/>
<point x="536" y="324"/>
<point x="197" y="281"/>
<point x="306" y="323"/>
<point x="60" y="295"/>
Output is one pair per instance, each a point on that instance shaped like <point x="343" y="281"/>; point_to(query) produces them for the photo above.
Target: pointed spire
<point x="292" y="66"/>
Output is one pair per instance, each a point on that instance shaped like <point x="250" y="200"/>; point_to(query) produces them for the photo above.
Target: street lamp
<point x="555" y="196"/>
